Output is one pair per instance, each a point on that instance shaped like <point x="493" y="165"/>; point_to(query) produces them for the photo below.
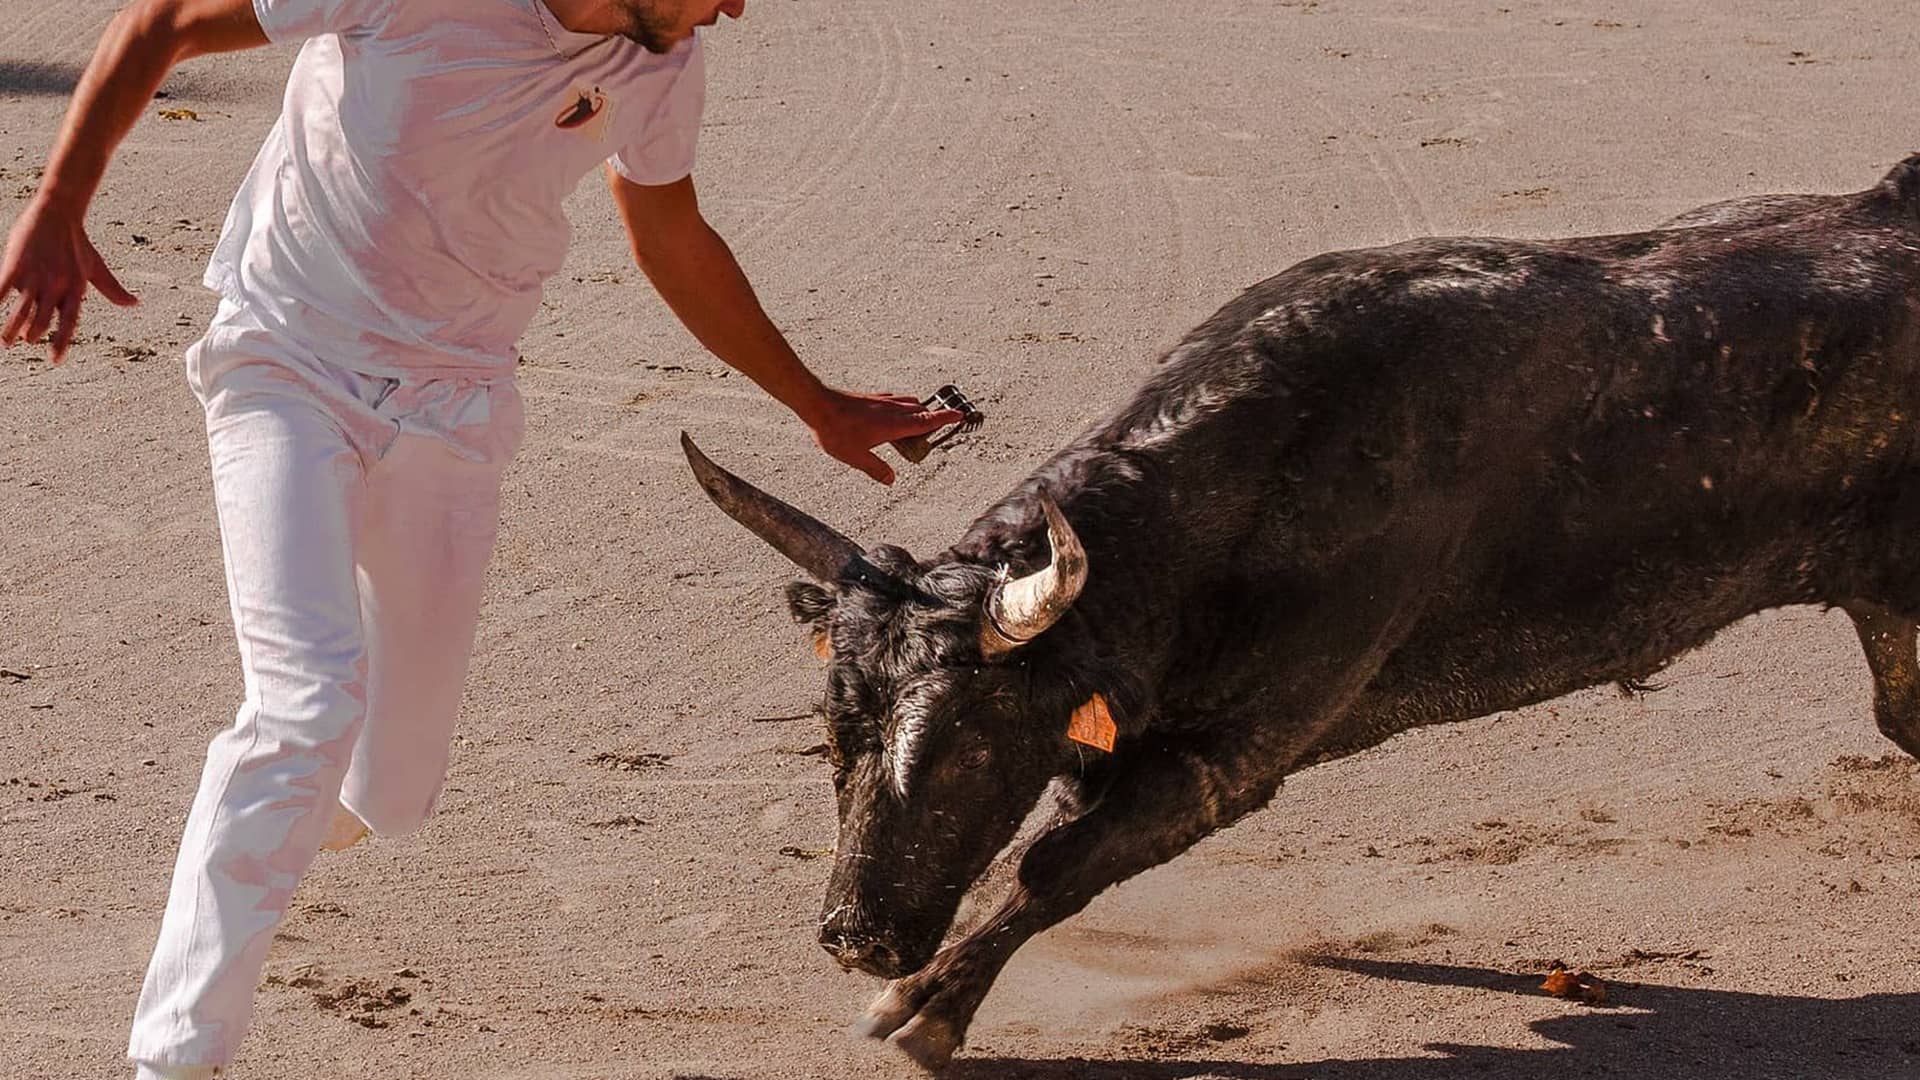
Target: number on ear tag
<point x="1093" y="725"/>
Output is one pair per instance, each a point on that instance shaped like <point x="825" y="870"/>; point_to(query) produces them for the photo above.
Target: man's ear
<point x="811" y="604"/>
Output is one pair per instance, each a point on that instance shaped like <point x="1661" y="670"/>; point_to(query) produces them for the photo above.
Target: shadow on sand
<point x="37" y="79"/>
<point x="1655" y="1033"/>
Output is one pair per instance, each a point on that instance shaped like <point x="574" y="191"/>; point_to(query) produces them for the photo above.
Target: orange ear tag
<point x="1093" y="725"/>
<point x="823" y="646"/>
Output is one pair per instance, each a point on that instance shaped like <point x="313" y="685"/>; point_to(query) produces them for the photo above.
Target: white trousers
<point x="357" y="514"/>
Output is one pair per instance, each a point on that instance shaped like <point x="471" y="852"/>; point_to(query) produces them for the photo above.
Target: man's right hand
<point x="49" y="260"/>
<point x="50" y="263"/>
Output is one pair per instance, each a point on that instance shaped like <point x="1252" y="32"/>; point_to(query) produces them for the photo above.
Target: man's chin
<point x="656" y="39"/>
<point x="653" y="43"/>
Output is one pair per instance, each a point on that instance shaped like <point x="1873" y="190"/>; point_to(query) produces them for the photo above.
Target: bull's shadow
<point x="1660" y="1033"/>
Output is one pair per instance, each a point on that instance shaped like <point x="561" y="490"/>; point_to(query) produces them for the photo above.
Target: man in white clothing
<point x="382" y="257"/>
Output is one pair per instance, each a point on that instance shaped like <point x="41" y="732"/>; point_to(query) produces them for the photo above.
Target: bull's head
<point x="943" y="734"/>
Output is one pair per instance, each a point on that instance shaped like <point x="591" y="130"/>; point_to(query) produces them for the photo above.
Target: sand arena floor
<point x="1031" y="198"/>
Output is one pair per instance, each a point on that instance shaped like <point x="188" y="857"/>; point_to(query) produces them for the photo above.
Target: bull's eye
<point x="976" y="757"/>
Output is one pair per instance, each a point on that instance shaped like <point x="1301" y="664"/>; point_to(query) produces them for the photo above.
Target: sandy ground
<point x="1031" y="198"/>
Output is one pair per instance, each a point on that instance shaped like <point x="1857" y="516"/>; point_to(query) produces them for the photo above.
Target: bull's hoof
<point x="897" y="1016"/>
<point x="928" y="1041"/>
<point x="888" y="1014"/>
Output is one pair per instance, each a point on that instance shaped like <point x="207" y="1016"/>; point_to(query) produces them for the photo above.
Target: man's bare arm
<point x="49" y="260"/>
<point x="696" y="274"/>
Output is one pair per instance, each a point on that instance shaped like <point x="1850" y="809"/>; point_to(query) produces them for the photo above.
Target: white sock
<point x="174" y="1072"/>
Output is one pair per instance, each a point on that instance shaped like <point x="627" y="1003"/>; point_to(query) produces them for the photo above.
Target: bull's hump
<point x="1903" y="183"/>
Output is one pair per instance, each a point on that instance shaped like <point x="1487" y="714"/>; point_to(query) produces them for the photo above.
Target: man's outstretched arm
<point x="49" y="260"/>
<point x="696" y="274"/>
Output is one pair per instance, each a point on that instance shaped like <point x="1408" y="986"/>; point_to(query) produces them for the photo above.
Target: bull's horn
<point x="1022" y="609"/>
<point x="812" y="545"/>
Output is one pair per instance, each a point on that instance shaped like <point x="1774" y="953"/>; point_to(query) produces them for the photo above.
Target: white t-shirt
<point x="406" y="208"/>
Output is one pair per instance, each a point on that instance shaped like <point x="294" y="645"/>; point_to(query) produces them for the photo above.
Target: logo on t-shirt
<point x="587" y="104"/>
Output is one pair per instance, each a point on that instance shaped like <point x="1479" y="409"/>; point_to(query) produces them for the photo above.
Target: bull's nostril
<point x="869" y="956"/>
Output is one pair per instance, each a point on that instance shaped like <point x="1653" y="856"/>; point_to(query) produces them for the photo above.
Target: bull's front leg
<point x="1162" y="801"/>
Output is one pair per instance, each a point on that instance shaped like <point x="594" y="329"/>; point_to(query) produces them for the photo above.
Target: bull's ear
<point x="811" y="604"/>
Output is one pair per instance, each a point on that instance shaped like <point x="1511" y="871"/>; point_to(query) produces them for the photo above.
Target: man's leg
<point x="288" y="485"/>
<point x="432" y="512"/>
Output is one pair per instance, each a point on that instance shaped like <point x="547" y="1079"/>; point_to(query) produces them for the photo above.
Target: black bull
<point x="1384" y="489"/>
